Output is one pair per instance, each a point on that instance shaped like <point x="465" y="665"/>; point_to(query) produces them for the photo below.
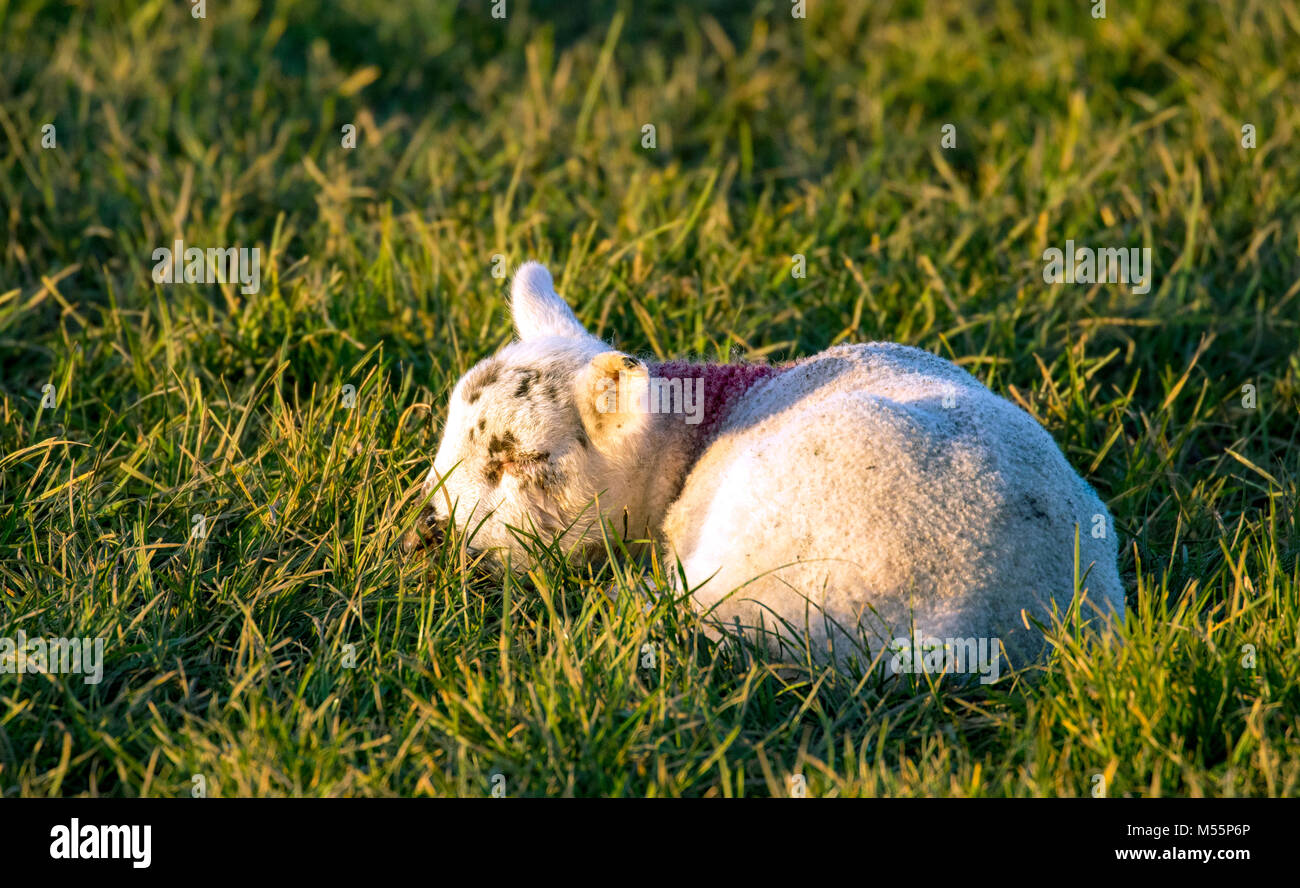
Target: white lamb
<point x="866" y="494"/>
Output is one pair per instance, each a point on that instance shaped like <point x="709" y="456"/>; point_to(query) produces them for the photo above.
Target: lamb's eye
<point x="512" y="461"/>
<point x="527" y="460"/>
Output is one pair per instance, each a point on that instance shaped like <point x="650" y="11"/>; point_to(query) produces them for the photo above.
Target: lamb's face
<point x="514" y="451"/>
<point x="524" y="446"/>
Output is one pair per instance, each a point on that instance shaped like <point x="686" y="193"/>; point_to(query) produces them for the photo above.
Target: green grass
<point x="226" y="657"/>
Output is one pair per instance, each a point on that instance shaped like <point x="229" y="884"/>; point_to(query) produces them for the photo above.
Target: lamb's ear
<point x="536" y="308"/>
<point x="613" y="398"/>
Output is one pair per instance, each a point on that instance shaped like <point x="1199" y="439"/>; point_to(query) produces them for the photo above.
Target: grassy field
<point x="295" y="651"/>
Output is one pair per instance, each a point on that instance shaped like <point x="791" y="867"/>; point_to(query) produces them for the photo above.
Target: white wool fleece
<point x="888" y="490"/>
<point x="871" y="492"/>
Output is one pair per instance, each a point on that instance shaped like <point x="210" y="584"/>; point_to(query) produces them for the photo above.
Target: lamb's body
<point x="887" y="490"/>
<point x="876" y="488"/>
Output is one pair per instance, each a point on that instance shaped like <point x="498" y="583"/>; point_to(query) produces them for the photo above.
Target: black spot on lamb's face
<point x="505" y="456"/>
<point x="476" y="380"/>
<point x="527" y="377"/>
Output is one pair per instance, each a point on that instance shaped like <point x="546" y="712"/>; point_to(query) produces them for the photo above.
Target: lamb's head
<point x="535" y="437"/>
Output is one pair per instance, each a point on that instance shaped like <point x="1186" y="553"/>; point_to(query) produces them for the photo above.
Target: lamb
<point x="866" y="494"/>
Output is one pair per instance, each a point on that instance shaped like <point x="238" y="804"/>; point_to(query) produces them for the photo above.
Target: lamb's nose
<point x="429" y="530"/>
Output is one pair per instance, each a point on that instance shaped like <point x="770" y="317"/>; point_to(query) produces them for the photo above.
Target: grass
<point x="231" y="657"/>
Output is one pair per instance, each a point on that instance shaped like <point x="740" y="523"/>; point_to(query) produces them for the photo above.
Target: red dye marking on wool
<point x="724" y="384"/>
